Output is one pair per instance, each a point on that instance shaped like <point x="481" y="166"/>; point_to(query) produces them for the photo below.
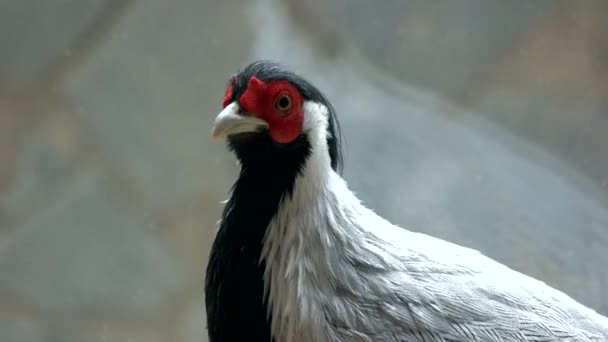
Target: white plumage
<point x="336" y="271"/>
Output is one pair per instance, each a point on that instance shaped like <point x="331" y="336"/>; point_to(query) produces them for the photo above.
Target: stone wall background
<point x="480" y="121"/>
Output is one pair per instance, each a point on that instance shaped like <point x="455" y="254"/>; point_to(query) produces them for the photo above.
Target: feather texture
<point x="336" y="271"/>
<point x="298" y="258"/>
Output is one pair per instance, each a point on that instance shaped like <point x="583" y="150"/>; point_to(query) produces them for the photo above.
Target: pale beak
<point x="230" y="121"/>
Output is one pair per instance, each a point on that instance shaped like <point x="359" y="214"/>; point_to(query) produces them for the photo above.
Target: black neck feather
<point x="234" y="290"/>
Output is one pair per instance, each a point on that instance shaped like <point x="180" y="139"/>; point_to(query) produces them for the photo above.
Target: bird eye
<point x="283" y="103"/>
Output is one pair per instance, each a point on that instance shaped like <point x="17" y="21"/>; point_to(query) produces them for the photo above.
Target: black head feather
<point x="271" y="71"/>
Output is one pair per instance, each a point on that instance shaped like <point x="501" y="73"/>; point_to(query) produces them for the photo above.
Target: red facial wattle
<point x="228" y="94"/>
<point x="261" y="98"/>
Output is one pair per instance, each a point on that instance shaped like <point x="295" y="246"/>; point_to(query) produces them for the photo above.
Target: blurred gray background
<point x="484" y="122"/>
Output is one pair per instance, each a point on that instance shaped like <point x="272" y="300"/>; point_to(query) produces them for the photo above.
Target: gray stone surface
<point x="442" y="46"/>
<point x="19" y="330"/>
<point x="50" y="24"/>
<point x="147" y="98"/>
<point x="44" y="166"/>
<point x="89" y="251"/>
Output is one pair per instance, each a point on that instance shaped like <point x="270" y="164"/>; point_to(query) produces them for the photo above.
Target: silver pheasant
<point x="299" y="258"/>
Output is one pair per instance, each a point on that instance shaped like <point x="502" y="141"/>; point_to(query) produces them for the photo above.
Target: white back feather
<point x="336" y="271"/>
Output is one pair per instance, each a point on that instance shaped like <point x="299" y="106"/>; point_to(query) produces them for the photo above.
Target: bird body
<point x="298" y="257"/>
